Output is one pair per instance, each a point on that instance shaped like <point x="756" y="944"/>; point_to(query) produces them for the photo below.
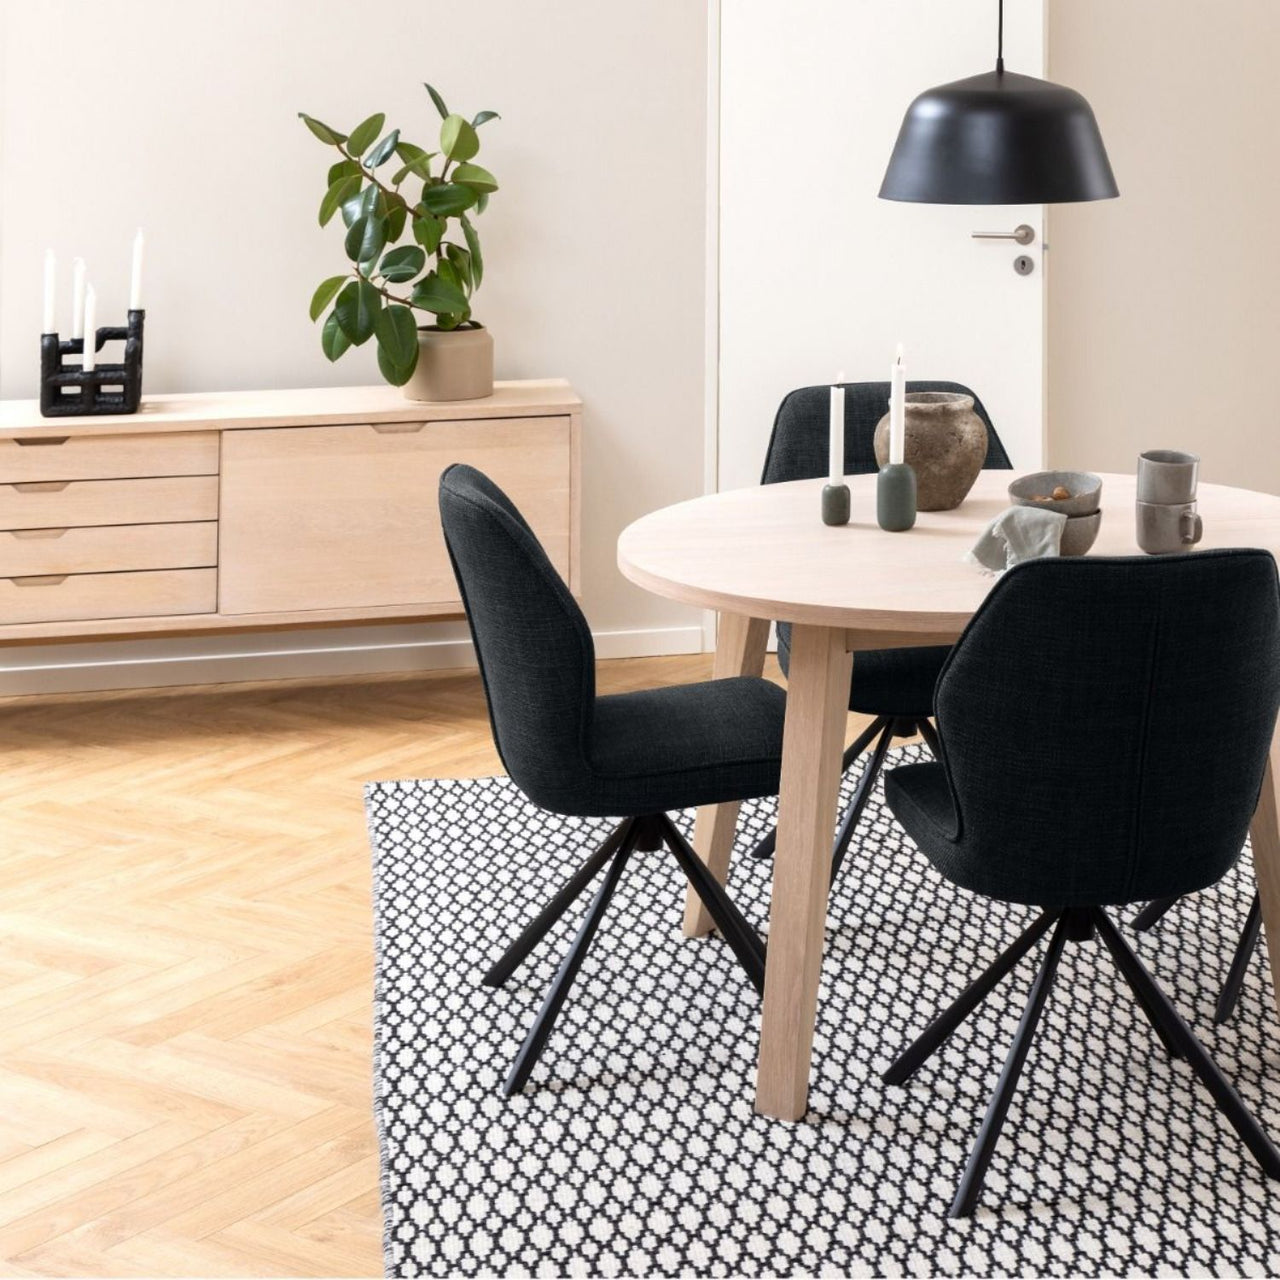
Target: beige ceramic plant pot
<point x="453" y="364"/>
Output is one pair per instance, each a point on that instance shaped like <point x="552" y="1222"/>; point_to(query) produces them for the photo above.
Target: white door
<point x="816" y="274"/>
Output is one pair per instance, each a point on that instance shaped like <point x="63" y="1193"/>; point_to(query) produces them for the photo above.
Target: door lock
<point x="1024" y="264"/>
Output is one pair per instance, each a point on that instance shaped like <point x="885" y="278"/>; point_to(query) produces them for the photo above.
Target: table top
<point x="765" y="553"/>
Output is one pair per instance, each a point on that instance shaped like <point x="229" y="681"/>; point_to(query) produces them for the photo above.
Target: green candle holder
<point x="835" y="504"/>
<point x="896" y="497"/>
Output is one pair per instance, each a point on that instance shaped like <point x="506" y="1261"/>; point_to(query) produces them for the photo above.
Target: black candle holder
<point x="110" y="388"/>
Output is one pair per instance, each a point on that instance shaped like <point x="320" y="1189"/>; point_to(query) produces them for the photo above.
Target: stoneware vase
<point x="946" y="445"/>
<point x="453" y="364"/>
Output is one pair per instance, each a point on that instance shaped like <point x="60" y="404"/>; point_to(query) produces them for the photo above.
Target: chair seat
<point x="886" y="682"/>
<point x="657" y="750"/>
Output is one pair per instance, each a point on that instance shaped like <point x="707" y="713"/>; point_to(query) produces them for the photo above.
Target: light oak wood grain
<point x="55" y="456"/>
<point x="58" y="505"/>
<point x="344" y="517"/>
<point x="57" y="597"/>
<point x="108" y="548"/>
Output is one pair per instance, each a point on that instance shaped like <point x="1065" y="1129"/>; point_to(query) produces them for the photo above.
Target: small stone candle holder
<point x="835" y="504"/>
<point x="67" y="389"/>
<point x="896" y="497"/>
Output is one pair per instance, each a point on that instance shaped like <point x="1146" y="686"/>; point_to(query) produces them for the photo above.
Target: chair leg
<point x="766" y="847"/>
<point x="940" y="1029"/>
<point x="1240" y="962"/>
<point x="1155" y="910"/>
<point x="862" y="793"/>
<point x="930" y="736"/>
<point x="536" y="930"/>
<point x="975" y="1171"/>
<point x="1228" y="1100"/>
<point x="542" y="1026"/>
<point x="743" y="940"/>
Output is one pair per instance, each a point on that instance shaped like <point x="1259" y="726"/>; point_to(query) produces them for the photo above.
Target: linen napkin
<point x="1015" y="535"/>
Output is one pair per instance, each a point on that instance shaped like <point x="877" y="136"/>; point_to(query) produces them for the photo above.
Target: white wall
<point x="182" y="118"/>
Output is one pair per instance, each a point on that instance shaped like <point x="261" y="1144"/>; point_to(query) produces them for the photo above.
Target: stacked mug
<point x="1167" y="516"/>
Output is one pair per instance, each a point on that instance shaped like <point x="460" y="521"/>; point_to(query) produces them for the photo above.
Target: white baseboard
<point x="152" y="664"/>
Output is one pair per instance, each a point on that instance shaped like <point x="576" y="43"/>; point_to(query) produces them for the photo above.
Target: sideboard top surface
<point x="301" y="406"/>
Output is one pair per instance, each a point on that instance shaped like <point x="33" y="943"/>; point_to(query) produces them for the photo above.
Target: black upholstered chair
<point x="1153" y="685"/>
<point x="893" y="685"/>
<point x="634" y="755"/>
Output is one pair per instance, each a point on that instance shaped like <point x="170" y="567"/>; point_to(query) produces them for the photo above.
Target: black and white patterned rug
<point x="635" y="1151"/>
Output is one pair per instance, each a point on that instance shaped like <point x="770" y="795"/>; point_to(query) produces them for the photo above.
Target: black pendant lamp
<point x="999" y="138"/>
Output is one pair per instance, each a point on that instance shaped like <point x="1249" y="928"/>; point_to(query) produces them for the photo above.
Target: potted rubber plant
<point x="414" y="253"/>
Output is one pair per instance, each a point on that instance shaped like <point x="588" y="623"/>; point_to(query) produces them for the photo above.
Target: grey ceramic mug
<point x="1167" y="475"/>
<point x="1168" y="526"/>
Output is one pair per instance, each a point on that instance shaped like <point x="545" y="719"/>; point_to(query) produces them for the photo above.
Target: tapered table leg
<point x="817" y="707"/>
<point x="1265" y="834"/>
<point x="740" y="646"/>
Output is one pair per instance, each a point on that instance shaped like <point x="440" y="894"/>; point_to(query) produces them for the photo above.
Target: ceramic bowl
<point x="1080" y="533"/>
<point x="1085" y="489"/>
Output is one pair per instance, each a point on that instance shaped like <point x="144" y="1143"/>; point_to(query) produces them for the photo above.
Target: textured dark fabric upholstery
<point x="569" y="751"/>
<point x="1105" y="726"/>
<point x="897" y="682"/>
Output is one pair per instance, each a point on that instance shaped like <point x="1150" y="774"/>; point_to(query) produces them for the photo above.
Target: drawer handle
<point x="42" y="486"/>
<point x="44" y="580"/>
<point x="37" y="533"/>
<point x="43" y="440"/>
<point x="397" y="428"/>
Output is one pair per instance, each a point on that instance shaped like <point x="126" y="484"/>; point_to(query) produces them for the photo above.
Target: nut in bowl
<point x="1074" y="493"/>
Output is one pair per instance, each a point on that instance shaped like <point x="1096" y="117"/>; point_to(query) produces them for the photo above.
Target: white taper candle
<point x="835" y="433"/>
<point x="90" y="330"/>
<point x="50" y="287"/>
<point x="77" y="298"/>
<point x="135" y="278"/>
<point x="898" y="409"/>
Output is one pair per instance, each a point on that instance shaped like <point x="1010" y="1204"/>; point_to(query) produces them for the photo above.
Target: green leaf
<point x="366" y="237"/>
<point x="450" y="321"/>
<point x="383" y="151"/>
<point x="339" y="192"/>
<point x="434" y="294"/>
<point x="439" y="101"/>
<point x="343" y="169"/>
<point x="396" y="219"/>
<point x="394" y="374"/>
<point x="482" y="202"/>
<point x="364" y="133"/>
<point x="448" y="198"/>
<point x="356" y="309"/>
<point x="427" y="231"/>
<point x="473" y="244"/>
<point x="458" y="140"/>
<point x="333" y="341"/>
<point x="322" y="131"/>
<point x="416" y="161"/>
<point x="403" y="263"/>
<point x="397" y="333"/>
<point x="481" y="116"/>
<point x="324" y="294"/>
<point x="451" y="276"/>
<point x="460" y="260"/>
<point x="476" y="177"/>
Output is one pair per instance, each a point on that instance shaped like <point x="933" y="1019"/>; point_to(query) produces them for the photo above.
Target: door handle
<point x="41" y="486"/>
<point x="397" y="428"/>
<point x="42" y="440"/>
<point x="37" y="533"/>
<point x="1023" y="234"/>
<point x="43" y="580"/>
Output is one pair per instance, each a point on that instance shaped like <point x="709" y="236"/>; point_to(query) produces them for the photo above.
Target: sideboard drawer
<point x="49" y="456"/>
<point x="107" y="595"/>
<point x="55" y="504"/>
<point x="108" y="548"/>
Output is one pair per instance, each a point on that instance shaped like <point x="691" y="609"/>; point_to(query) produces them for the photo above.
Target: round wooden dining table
<point x="763" y="554"/>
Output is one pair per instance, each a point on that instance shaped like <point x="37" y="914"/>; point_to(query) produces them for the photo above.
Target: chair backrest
<point x="798" y="445"/>
<point x="536" y="656"/>
<point x="1105" y="723"/>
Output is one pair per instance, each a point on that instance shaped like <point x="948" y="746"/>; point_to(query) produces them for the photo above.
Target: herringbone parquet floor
<point x="186" y="967"/>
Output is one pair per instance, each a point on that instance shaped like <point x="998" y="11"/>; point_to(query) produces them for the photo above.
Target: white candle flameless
<point x="835" y="433"/>
<point x="50" y="286"/>
<point x="135" y="278"/>
<point x="898" y="410"/>
<point x="77" y="298"/>
<point x="90" y="329"/>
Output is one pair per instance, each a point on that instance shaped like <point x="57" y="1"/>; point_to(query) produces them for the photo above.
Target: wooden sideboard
<point x="259" y="509"/>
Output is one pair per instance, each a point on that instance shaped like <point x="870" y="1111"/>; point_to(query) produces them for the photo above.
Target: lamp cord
<point x="1000" y="41"/>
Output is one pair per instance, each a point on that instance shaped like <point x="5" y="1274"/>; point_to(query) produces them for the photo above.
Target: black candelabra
<point x="67" y="390"/>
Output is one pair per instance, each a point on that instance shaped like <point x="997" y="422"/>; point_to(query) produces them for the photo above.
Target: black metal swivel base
<point x="883" y="729"/>
<point x="1075" y="924"/>
<point x="1229" y="996"/>
<point x="644" y="834"/>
